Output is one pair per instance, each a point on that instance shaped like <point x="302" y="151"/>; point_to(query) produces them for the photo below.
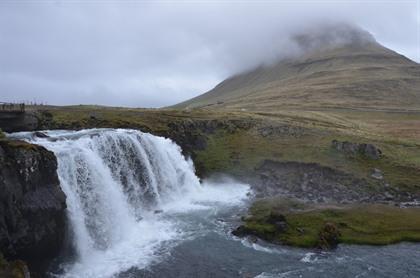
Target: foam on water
<point x="309" y="258"/>
<point x="115" y="180"/>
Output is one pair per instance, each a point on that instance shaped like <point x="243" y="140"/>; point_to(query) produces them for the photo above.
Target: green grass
<point x="304" y="136"/>
<point x="335" y="78"/>
<point x="241" y="151"/>
<point x="371" y="224"/>
<point x="153" y="120"/>
<point x="17" y="144"/>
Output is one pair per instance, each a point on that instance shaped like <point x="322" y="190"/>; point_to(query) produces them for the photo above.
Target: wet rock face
<point x="32" y="204"/>
<point x="367" y="150"/>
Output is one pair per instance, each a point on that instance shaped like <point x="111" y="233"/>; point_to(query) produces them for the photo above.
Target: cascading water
<point x="136" y="209"/>
<point x="116" y="181"/>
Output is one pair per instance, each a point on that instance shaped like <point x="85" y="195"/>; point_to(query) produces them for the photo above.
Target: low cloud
<point x="147" y="54"/>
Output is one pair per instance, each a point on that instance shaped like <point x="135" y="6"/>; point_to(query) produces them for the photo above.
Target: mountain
<point x="338" y="67"/>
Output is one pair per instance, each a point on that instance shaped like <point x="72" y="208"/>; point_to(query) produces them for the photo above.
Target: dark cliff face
<point x="13" y="122"/>
<point x="32" y="204"/>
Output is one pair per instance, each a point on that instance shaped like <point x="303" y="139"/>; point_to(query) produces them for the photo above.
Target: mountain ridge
<point x="357" y="73"/>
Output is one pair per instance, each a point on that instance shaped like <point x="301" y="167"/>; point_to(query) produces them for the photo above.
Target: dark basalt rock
<point x="241" y="231"/>
<point x="278" y="221"/>
<point x="40" y="134"/>
<point x="368" y="150"/>
<point x="18" y="122"/>
<point x="329" y="237"/>
<point x="32" y="204"/>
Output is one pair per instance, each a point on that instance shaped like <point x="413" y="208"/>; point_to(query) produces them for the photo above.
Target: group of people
<point x="12" y="107"/>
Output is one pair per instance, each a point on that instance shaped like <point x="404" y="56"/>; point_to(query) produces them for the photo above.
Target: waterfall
<point x="117" y="182"/>
<point x="114" y="178"/>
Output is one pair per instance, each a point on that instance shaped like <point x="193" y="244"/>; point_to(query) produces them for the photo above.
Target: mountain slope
<point x="355" y="73"/>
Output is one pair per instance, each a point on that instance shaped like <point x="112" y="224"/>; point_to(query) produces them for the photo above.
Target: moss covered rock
<point x="329" y="236"/>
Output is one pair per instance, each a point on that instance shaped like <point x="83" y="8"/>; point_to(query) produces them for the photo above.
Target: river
<point x="137" y="209"/>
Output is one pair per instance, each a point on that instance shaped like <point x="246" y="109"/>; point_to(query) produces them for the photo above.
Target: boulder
<point x="40" y="134"/>
<point x="329" y="237"/>
<point x="377" y="174"/>
<point x="367" y="150"/>
<point x="370" y="151"/>
<point x="241" y="231"/>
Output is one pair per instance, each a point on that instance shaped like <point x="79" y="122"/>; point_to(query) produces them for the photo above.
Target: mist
<point x="154" y="54"/>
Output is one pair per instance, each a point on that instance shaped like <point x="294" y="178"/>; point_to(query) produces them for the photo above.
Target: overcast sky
<point x="153" y="54"/>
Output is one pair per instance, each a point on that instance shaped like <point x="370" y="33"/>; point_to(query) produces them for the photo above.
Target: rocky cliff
<point x="32" y="205"/>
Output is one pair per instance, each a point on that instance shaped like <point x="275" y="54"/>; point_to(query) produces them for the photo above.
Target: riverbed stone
<point x="377" y="174"/>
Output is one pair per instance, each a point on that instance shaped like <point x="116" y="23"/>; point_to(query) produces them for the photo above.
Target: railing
<point x="12" y="107"/>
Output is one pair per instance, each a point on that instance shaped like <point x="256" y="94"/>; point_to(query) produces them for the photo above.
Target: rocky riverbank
<point x="313" y="182"/>
<point x="319" y="155"/>
<point x="315" y="157"/>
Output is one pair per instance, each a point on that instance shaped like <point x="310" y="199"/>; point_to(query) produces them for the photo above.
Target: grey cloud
<point x="147" y="54"/>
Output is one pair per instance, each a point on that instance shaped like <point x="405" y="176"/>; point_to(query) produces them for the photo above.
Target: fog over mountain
<point x="145" y="54"/>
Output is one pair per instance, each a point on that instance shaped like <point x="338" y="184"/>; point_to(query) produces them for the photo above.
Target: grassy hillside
<point x="307" y="139"/>
<point x="274" y="126"/>
<point x="295" y="223"/>
<point x="239" y="142"/>
<point x="350" y="76"/>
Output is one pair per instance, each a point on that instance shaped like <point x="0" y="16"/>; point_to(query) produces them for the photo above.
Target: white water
<point x="114" y="181"/>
